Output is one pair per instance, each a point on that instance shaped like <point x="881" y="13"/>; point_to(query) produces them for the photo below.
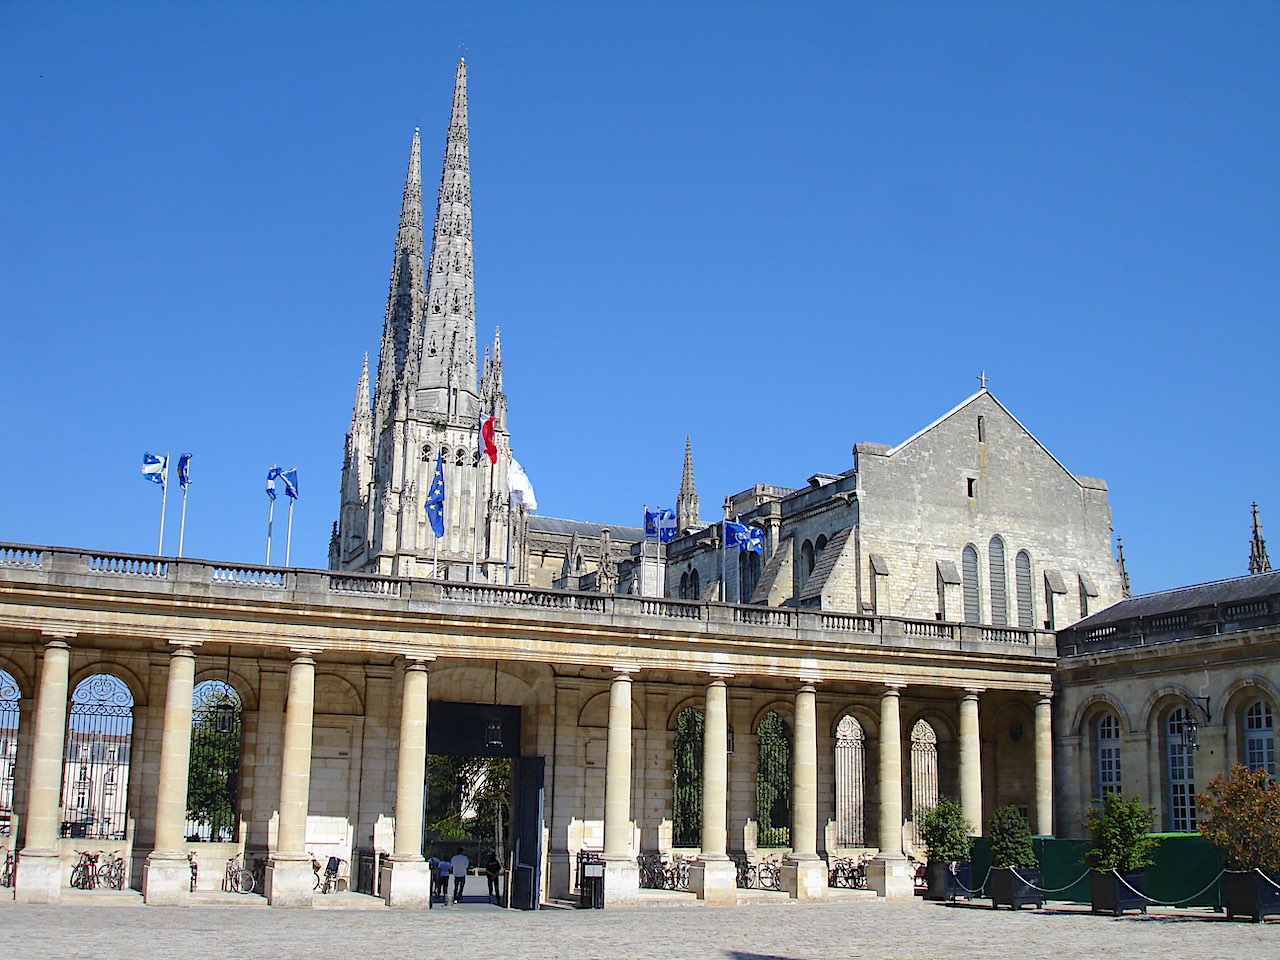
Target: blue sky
<point x="781" y="228"/>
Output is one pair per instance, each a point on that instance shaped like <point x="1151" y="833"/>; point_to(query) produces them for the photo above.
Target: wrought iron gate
<point x="213" y="781"/>
<point x="8" y="747"/>
<point x="686" y="775"/>
<point x="95" y="769"/>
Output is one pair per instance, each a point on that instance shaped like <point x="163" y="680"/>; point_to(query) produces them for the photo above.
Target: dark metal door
<point x="527" y="816"/>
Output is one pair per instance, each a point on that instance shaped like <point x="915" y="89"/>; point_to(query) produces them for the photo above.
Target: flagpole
<point x="182" y="524"/>
<point x="288" y="539"/>
<point x="271" y="511"/>
<point x="164" y="494"/>
<point x="475" y="513"/>
<point x="644" y="546"/>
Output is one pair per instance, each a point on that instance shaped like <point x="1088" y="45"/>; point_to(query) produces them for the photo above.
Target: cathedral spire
<point x="360" y="407"/>
<point x="1259" y="562"/>
<point x="1125" y="590"/>
<point x="450" y="307"/>
<point x="687" y="501"/>
<point x="406" y="299"/>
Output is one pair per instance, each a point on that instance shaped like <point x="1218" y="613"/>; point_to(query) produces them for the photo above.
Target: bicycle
<point x="10" y="865"/>
<point x="848" y="873"/>
<point x="768" y="875"/>
<point x="84" y="875"/>
<point x="328" y="881"/>
<point x="111" y="872"/>
<point x="195" y="870"/>
<point x="237" y="878"/>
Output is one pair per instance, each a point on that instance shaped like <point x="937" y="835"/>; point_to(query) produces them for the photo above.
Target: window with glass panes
<point x="1259" y="738"/>
<point x="1108" y="753"/>
<point x="1180" y="773"/>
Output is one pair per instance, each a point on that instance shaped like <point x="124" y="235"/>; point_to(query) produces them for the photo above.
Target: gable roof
<point x="964" y="403"/>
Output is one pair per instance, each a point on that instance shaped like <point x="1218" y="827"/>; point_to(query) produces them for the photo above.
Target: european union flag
<point x="743" y="536"/>
<point x="184" y="470"/>
<point x="660" y="524"/>
<point x="435" y="498"/>
<point x="290" y="478"/>
<point x="271" y="481"/>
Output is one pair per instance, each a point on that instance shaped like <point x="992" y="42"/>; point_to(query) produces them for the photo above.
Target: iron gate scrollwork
<point x="213" y="781"/>
<point x="95" y="769"/>
<point x="9" y="696"/>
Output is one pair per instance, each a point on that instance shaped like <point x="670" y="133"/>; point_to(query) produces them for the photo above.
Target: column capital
<point x="623" y="671"/>
<point x="807" y="685"/>
<point x="414" y="665"/>
<point x="718" y="675"/>
<point x="972" y="693"/>
<point x="1044" y="696"/>
<point x="425" y="659"/>
<point x="57" y="638"/>
<point x="183" y="648"/>
<point x="303" y="655"/>
<point x="893" y="688"/>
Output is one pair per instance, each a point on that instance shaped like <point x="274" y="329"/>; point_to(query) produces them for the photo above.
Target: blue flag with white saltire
<point x="290" y="478"/>
<point x="154" y="468"/>
<point x="184" y="470"/>
<point x="271" y="481"/>
<point x="743" y="536"/>
<point x="435" y="498"/>
<point x="660" y="524"/>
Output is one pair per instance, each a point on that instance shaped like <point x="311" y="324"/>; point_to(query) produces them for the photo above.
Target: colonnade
<point x="405" y="880"/>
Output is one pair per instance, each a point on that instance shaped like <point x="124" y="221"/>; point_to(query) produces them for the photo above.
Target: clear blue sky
<point x="781" y="228"/>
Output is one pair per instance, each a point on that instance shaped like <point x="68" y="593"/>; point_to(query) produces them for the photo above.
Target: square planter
<point x="1247" y="894"/>
<point x="1015" y="891"/>
<point x="1109" y="895"/>
<point x="947" y="881"/>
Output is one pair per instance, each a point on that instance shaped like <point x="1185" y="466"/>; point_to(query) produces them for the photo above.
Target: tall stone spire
<point x="406" y="298"/>
<point x="687" y="501"/>
<point x="352" y="529"/>
<point x="447" y="375"/>
<point x="1259" y="562"/>
<point x="1125" y="590"/>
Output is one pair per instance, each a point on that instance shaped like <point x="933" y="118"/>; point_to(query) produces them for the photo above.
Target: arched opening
<point x="9" y="716"/>
<point x="695" y="586"/>
<point x="1259" y="737"/>
<point x="1022" y="576"/>
<point x="969" y="582"/>
<point x="1180" y="773"/>
<point x="95" y="769"/>
<point x="999" y="582"/>
<point x="686" y="779"/>
<point x="924" y="772"/>
<point x="748" y="574"/>
<point x="806" y="558"/>
<point x="1106" y="753"/>
<point x="851" y="780"/>
<point x="213" y="777"/>
<point x="773" y="782"/>
<point x="684" y="585"/>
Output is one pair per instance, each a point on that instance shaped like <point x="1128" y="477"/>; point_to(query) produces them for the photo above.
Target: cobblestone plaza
<point x="763" y="931"/>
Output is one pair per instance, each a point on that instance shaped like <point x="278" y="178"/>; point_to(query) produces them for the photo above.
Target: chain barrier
<point x="1047" y="889"/>
<point x="1265" y="877"/>
<point x="1167" y="903"/>
<point x="976" y="890"/>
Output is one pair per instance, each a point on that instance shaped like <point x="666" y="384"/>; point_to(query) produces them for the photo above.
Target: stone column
<point x="290" y="881"/>
<point x="804" y="876"/>
<point x="713" y="876"/>
<point x="39" y="877"/>
<point x="1044" y="764"/>
<point x="166" y="877"/>
<point x="889" y="874"/>
<point x="622" y="873"/>
<point x="971" y="761"/>
<point x="406" y="877"/>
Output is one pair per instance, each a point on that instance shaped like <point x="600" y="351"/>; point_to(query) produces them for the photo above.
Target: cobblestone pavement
<point x="748" y="932"/>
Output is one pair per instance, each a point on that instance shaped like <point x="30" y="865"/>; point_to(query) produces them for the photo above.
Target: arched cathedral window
<point x="969" y="582"/>
<point x="999" y="582"/>
<point x="1022" y="576"/>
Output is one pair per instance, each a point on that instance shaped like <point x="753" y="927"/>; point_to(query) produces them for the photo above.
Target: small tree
<point x="1120" y="830"/>
<point x="944" y="831"/>
<point x="1240" y="815"/>
<point x="1010" y="839"/>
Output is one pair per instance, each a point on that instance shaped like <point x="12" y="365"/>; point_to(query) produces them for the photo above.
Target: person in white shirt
<point x="458" y="867"/>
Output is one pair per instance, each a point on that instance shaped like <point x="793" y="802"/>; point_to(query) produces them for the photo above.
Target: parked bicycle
<point x="237" y="878"/>
<point x="327" y="880"/>
<point x="10" y="865"/>
<point x="848" y="873"/>
<point x="111" y="871"/>
<point x="84" y="875"/>
<point x="763" y="875"/>
<point x="195" y="870"/>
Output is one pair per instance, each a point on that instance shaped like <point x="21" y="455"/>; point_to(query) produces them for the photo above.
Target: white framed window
<point x="1180" y="773"/>
<point x="1259" y="737"/>
<point x="1107" y="751"/>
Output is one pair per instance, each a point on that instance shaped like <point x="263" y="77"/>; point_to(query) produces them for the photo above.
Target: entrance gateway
<point x="493" y="730"/>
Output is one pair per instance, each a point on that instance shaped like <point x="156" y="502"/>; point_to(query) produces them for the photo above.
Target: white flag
<point x="520" y="487"/>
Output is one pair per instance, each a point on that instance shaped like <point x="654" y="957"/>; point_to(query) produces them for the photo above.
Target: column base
<point x="290" y="881"/>
<point x="891" y="878"/>
<point x="715" y="881"/>
<point x="166" y="879"/>
<point x="39" y="878"/>
<point x="805" y="879"/>
<point x="406" y="883"/>
<point x="621" y="882"/>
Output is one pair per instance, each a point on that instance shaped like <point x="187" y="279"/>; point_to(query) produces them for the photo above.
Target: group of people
<point x="457" y="867"/>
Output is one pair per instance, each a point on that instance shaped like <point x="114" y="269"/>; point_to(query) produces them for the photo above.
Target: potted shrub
<point x="1121" y="844"/>
<point x="1240" y="815"/>
<point x="945" y="833"/>
<point x="1015" y="874"/>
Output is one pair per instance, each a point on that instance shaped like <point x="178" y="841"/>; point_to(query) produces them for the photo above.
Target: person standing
<point x="442" y="881"/>
<point x="459" y="866"/>
<point x="492" y="871"/>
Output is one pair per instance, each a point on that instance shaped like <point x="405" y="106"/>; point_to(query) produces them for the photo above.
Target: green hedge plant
<point x="945" y="832"/>
<point x="1010" y="839"/>
<point x="1120" y="831"/>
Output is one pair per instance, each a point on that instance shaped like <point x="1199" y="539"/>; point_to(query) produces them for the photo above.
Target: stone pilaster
<point x="889" y="874"/>
<point x="971" y="761"/>
<point x="622" y="873"/>
<point x="804" y="876"/>
<point x="713" y="876"/>
<point x="39" y="877"/>
<point x="166" y="877"/>
<point x="406" y="877"/>
<point x="289" y="880"/>
<point x="1044" y="764"/>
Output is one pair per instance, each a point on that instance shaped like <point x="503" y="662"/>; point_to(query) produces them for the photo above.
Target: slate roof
<point x="826" y="564"/>
<point x="1220" y="592"/>
<point x="583" y="528"/>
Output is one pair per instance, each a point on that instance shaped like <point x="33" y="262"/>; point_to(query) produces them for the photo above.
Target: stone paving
<point x="758" y="931"/>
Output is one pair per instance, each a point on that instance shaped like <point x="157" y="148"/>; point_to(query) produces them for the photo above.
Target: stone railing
<point x="1190" y="624"/>
<point x="494" y="602"/>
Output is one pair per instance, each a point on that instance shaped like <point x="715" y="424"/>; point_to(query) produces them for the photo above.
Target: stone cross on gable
<point x="982" y="378"/>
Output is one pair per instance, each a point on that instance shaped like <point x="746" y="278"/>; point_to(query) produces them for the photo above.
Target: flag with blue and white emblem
<point x="154" y="468"/>
<point x="290" y="478"/>
<point x="660" y="525"/>
<point x="184" y="470"/>
<point x="435" y="498"/>
<point x="743" y="536"/>
<point x="271" y="481"/>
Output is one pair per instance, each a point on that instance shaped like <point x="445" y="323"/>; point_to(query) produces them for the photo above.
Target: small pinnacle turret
<point x="687" y="501"/>
<point x="1259" y="562"/>
<point x="1125" y="590"/>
